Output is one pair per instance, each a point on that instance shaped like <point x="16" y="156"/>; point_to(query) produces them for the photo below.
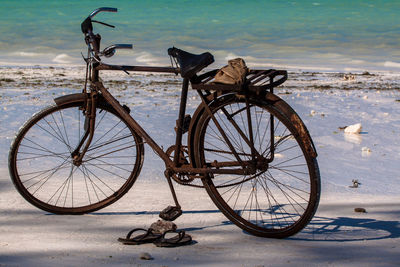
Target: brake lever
<point x="85" y="59"/>
<point x="103" y="23"/>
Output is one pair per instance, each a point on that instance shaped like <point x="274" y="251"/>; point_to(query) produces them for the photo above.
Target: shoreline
<point x="306" y="62"/>
<point x="72" y="76"/>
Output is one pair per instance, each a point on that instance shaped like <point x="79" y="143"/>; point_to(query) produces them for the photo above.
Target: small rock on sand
<point x="145" y="256"/>
<point x="366" y="149"/>
<point x="360" y="210"/>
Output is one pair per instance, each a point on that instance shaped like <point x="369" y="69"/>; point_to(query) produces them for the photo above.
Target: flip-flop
<point x="180" y="239"/>
<point x="148" y="237"/>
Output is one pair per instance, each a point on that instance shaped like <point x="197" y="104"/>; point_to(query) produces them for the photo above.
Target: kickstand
<point x="170" y="213"/>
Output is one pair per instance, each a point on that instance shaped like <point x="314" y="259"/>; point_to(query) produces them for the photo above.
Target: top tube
<point x="104" y="66"/>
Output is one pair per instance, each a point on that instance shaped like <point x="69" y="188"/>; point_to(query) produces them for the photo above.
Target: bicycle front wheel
<point x="42" y="169"/>
<point x="278" y="198"/>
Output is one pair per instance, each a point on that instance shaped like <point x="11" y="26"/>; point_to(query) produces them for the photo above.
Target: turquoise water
<point x="318" y="34"/>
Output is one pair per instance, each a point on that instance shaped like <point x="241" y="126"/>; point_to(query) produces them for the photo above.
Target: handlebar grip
<point x="123" y="46"/>
<point x="103" y="9"/>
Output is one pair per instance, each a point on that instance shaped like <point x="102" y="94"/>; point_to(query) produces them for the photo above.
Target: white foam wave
<point x="391" y="64"/>
<point x="63" y="58"/>
<point x="26" y="54"/>
<point x="147" y="59"/>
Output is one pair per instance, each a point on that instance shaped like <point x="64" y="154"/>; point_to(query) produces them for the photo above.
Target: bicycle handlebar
<point x="87" y="26"/>
<point x="93" y="40"/>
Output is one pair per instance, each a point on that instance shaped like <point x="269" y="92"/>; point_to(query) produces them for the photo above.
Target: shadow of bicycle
<point x="344" y="229"/>
<point x="340" y="229"/>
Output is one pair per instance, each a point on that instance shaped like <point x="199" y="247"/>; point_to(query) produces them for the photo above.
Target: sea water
<point x="323" y="35"/>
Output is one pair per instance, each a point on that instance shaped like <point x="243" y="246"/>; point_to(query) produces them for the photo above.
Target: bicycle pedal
<point x="170" y="213"/>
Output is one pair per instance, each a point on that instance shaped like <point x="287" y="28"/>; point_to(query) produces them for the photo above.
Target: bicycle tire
<point x="277" y="201"/>
<point x="41" y="167"/>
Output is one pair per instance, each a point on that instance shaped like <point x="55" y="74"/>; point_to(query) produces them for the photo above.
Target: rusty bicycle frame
<point x="175" y="166"/>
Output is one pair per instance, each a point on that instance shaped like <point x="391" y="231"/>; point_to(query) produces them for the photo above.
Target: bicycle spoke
<point x="217" y="134"/>
<point x="88" y="170"/>
<point x="45" y="179"/>
<point x="44" y="149"/>
<point x="105" y="149"/>
<point x="276" y="207"/>
<point x="103" y="169"/>
<point x="59" y="132"/>
<point x="115" y="165"/>
<point x="105" y="154"/>
<point x="237" y="132"/>
<point x="39" y="173"/>
<point x="110" y="130"/>
<point x="291" y="175"/>
<point x="231" y="135"/>
<point x="273" y="216"/>
<point x="107" y="143"/>
<point x="62" y="187"/>
<point x="290" y="188"/>
<point x="86" y="186"/>
<point x="65" y="130"/>
<point x="40" y="156"/>
<point x="92" y="183"/>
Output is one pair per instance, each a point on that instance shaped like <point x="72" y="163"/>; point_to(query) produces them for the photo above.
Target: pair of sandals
<point x="178" y="238"/>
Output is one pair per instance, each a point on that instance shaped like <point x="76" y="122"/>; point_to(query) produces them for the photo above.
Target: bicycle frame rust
<point x="173" y="165"/>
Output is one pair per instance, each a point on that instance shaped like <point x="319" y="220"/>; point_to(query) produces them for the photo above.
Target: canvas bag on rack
<point x="234" y="73"/>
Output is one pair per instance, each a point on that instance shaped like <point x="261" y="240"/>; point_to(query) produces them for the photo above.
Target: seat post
<point x="170" y="213"/>
<point x="179" y="123"/>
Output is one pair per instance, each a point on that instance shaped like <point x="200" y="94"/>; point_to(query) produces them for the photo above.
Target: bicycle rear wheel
<point x="42" y="169"/>
<point x="279" y="198"/>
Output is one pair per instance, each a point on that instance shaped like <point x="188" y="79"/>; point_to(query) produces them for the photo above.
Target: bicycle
<point x="248" y="147"/>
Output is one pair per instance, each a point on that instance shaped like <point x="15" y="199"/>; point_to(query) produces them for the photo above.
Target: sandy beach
<point x="337" y="236"/>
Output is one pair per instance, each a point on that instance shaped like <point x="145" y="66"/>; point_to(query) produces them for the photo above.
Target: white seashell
<point x="353" y="129"/>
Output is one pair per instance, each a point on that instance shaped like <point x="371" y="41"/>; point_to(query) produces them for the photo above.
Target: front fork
<point x="89" y="110"/>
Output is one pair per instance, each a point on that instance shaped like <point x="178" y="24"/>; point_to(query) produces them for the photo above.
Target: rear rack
<point x="256" y="81"/>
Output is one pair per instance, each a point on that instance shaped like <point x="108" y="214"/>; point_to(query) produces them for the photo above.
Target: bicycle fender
<point x="289" y="112"/>
<point x="81" y="97"/>
<point x="66" y="99"/>
<point x="192" y="129"/>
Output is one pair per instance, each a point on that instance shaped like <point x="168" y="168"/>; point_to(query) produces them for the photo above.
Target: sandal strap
<point x="181" y="235"/>
<point x="128" y="236"/>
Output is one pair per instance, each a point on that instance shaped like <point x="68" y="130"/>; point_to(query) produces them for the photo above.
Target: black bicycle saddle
<point x="190" y="64"/>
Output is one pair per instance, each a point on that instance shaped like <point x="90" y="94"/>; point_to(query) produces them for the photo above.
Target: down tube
<point x="115" y="104"/>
